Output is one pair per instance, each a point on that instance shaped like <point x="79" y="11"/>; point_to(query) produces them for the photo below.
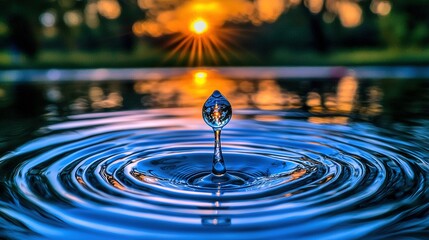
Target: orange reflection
<point x="295" y="175"/>
<point x="330" y="102"/>
<point x="200" y="78"/>
<point x="193" y="88"/>
<point x="269" y="96"/>
<point x="346" y="93"/>
<point x="298" y="173"/>
<point x="327" y="179"/>
<point x="144" y="178"/>
<point x="329" y="120"/>
<point x="375" y="96"/>
<point x="102" y="101"/>
<point x="314" y="101"/>
<point x="115" y="183"/>
<point x="80" y="180"/>
<point x="190" y="89"/>
<point x="267" y="118"/>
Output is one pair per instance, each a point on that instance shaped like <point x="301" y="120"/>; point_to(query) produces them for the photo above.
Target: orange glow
<point x="150" y="28"/>
<point x="91" y="15"/>
<point x="196" y="16"/>
<point x="199" y="26"/>
<point x="200" y="35"/>
<point x="109" y="9"/>
<point x="315" y="6"/>
<point x="145" y="4"/>
<point x="176" y="16"/>
<point x="350" y="14"/>
<point x="381" y="7"/>
<point x="137" y="29"/>
<point x="200" y="45"/>
<point x="269" y="10"/>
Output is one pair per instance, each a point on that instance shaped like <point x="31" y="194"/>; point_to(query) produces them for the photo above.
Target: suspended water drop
<point x="217" y="112"/>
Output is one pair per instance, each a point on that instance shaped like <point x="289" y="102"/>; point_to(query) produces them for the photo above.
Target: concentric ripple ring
<point x="131" y="174"/>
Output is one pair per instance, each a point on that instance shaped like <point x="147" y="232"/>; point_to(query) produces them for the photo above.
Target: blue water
<point x="311" y="171"/>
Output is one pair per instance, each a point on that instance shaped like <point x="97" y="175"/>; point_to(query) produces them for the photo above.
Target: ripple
<point x="137" y="173"/>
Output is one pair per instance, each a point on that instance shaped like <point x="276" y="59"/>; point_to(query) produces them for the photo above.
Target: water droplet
<point x="217" y="111"/>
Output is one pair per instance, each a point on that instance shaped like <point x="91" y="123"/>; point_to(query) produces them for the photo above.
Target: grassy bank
<point x="149" y="57"/>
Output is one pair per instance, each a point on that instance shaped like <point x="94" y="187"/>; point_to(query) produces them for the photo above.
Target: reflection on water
<point x="328" y="158"/>
<point x="100" y="100"/>
<point x="345" y="96"/>
<point x="346" y="93"/>
<point x="130" y="175"/>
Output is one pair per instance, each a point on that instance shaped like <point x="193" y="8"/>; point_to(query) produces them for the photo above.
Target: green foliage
<point x="297" y="37"/>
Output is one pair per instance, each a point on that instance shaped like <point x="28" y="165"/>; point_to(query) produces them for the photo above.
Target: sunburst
<point x="202" y="43"/>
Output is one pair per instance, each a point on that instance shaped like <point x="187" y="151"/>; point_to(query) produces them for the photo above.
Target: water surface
<point x="330" y="158"/>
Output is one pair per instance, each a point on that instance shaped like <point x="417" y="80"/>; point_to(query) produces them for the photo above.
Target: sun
<point x="199" y="26"/>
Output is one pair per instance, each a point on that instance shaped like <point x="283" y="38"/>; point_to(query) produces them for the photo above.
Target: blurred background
<point x="147" y="33"/>
<point x="65" y="57"/>
<point x="328" y="61"/>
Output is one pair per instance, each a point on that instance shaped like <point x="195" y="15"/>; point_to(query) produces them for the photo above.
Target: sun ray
<point x="192" y="53"/>
<point x="182" y="43"/>
<point x="200" y="52"/>
<point x="211" y="51"/>
<point x="220" y="46"/>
